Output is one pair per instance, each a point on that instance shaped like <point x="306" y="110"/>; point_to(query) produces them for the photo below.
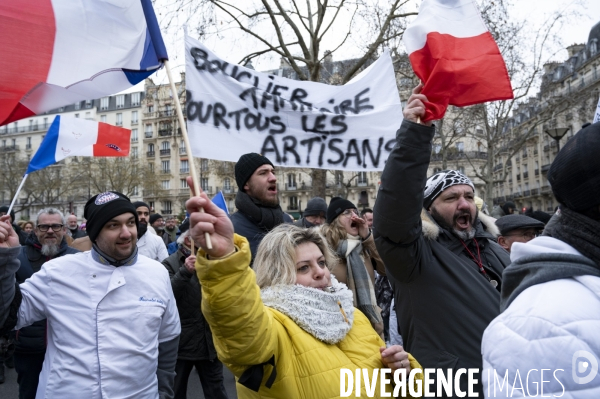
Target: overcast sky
<point x="535" y="11"/>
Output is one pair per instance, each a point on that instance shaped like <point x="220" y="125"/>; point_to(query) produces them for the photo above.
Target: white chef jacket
<point x="153" y="247"/>
<point x="104" y="326"/>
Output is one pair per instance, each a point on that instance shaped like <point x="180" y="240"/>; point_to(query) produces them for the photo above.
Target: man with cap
<point x="517" y="228"/>
<point x="440" y="253"/>
<point x="158" y="222"/>
<point x="258" y="210"/>
<point x="314" y="214"/>
<point x="196" y="347"/>
<point x="113" y="326"/>
<point x="508" y="208"/>
<point x="148" y="242"/>
<point x="550" y="299"/>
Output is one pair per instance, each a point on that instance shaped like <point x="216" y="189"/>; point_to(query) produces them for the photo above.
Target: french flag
<point x="79" y="137"/>
<point x="58" y="52"/>
<point x="455" y="56"/>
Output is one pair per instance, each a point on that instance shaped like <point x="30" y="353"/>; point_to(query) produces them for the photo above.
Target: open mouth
<point x="463" y="221"/>
<point x="272" y="189"/>
<point x="353" y="225"/>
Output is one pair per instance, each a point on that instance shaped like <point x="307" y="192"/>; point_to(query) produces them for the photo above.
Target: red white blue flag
<point x="79" y="137"/>
<point x="58" y="52"/>
<point x="455" y="56"/>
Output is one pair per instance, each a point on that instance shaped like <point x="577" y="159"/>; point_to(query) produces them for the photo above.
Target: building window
<point x="184" y="166"/>
<point x="461" y="169"/>
<point x="150" y="147"/>
<point x="168" y="110"/>
<point x="227" y="185"/>
<point x="134" y="117"/>
<point x="166" y="145"/>
<point x="28" y="145"/>
<point x="293" y="204"/>
<point x="76" y="115"/>
<point x="148" y="130"/>
<point x="103" y="118"/>
<point x="151" y="167"/>
<point x="204" y="165"/>
<point x="88" y="104"/>
<point x="135" y="191"/>
<point x="437" y="148"/>
<point x="104" y="103"/>
<point x="120" y="101"/>
<point x="460" y="146"/>
<point x="182" y="150"/>
<point x="134" y="135"/>
<point x="135" y="99"/>
<point x="150" y="109"/>
<point x="134" y="152"/>
<point x="165" y="184"/>
<point x="362" y="179"/>
<point x="88" y="115"/>
<point x="119" y="119"/>
<point x="291" y="181"/>
<point x="204" y="184"/>
<point x="78" y="105"/>
<point x="183" y="183"/>
<point x="166" y="166"/>
<point x="166" y="207"/>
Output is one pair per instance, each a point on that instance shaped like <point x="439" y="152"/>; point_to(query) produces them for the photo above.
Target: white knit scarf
<point x="316" y="311"/>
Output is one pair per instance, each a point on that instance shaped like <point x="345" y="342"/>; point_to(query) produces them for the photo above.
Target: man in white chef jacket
<point x="113" y="325"/>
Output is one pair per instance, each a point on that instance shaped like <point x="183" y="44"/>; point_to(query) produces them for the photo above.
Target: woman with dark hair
<point x="349" y="235"/>
<point x="288" y="320"/>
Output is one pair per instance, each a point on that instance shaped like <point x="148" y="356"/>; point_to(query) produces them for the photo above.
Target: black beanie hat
<point x="4" y="209"/>
<point x="154" y="217"/>
<point x="575" y="173"/>
<point x="245" y="167"/>
<point x="137" y="204"/>
<point x="103" y="207"/>
<point x="336" y="207"/>
<point x="316" y="207"/>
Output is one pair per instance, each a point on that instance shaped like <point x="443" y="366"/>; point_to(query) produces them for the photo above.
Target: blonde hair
<point x="335" y="232"/>
<point x="275" y="261"/>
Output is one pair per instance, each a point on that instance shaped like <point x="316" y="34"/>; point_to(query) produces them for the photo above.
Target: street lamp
<point x="557" y="134"/>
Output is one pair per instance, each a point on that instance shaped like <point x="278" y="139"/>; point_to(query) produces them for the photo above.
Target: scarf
<point x="315" y="311"/>
<point x="103" y="258"/>
<point x="579" y="231"/>
<point x="266" y="217"/>
<point x="359" y="280"/>
<point x="185" y="251"/>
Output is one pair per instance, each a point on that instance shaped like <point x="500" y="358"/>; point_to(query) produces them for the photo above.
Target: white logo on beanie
<point x="103" y="198"/>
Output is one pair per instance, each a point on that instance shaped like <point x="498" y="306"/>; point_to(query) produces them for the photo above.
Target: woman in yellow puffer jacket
<point x="290" y="335"/>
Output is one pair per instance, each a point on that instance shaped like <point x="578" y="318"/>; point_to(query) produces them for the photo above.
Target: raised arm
<point x="397" y="212"/>
<point x="9" y="264"/>
<point x="242" y="329"/>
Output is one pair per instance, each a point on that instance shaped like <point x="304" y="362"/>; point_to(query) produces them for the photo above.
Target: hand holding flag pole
<point x="187" y="145"/>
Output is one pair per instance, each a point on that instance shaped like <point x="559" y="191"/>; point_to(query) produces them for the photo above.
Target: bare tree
<point x="294" y="30"/>
<point x="126" y="175"/>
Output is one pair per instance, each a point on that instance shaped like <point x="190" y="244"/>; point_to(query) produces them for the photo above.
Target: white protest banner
<point x="597" y="113"/>
<point x="232" y="110"/>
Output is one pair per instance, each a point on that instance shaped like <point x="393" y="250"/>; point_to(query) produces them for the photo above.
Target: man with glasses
<point x="517" y="228"/>
<point x="47" y="242"/>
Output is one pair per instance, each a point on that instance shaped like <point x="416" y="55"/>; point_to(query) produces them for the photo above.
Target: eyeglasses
<point x="55" y="227"/>
<point x="349" y="212"/>
<point x="530" y="235"/>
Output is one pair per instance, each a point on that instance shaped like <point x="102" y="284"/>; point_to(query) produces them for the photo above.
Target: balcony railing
<point x="149" y="153"/>
<point x="460" y="155"/>
<point x="536" y="172"/>
<point x="227" y="190"/>
<point x="291" y="187"/>
<point x="165" y="171"/>
<point x="148" y="135"/>
<point x="23" y="129"/>
<point x="165" y="152"/>
<point x="28" y="146"/>
<point x="9" y="148"/>
<point x="163" y="114"/>
<point x="525" y="175"/>
<point x="184" y="170"/>
<point x="165" y="132"/>
<point x="167" y="211"/>
<point x="362" y="183"/>
<point x="182" y="151"/>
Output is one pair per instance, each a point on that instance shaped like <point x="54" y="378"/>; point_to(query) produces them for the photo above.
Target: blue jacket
<point x="32" y="339"/>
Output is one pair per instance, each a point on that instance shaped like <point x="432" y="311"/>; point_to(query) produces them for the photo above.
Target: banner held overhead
<point x="232" y="110"/>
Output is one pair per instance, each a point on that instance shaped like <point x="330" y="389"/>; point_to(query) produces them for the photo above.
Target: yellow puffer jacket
<point x="247" y="333"/>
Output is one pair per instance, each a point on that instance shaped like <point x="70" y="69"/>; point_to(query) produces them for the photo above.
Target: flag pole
<point x="17" y="194"/>
<point x="187" y="146"/>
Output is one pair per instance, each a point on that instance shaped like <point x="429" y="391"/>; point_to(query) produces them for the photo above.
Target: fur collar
<point x="431" y="230"/>
<point x="315" y="311"/>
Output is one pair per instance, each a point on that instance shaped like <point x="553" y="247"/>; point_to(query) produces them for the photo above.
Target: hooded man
<point x="550" y="299"/>
<point x="258" y="210"/>
<point x="315" y="213"/>
<point x="440" y="253"/>
<point x="113" y="326"/>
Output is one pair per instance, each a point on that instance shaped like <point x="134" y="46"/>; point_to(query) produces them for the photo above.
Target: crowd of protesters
<point x="427" y="279"/>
